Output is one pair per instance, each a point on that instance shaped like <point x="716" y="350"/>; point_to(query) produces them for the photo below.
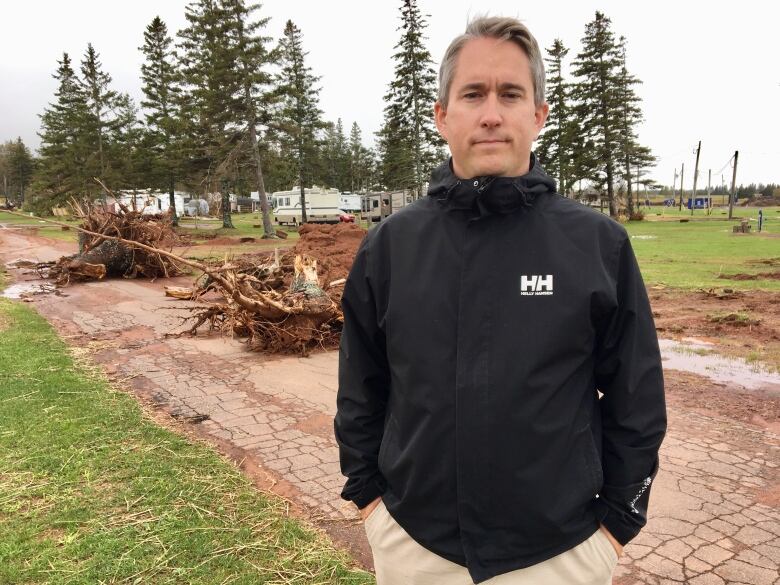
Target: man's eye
<point x="471" y="95"/>
<point x="512" y="95"/>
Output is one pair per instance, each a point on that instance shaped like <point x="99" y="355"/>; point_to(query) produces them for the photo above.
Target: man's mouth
<point x="490" y="141"/>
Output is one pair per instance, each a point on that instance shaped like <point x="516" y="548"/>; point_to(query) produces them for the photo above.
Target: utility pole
<point x="695" y="176"/>
<point x="733" y="195"/>
<point x="682" y="191"/>
<point x="674" y="183"/>
<point x="709" y="187"/>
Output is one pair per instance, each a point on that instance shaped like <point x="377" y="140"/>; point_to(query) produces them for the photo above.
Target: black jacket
<point x="479" y="323"/>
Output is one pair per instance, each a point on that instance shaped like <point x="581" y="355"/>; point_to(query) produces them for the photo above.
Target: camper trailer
<point x="377" y="206"/>
<point x="322" y="206"/>
<point x="349" y="202"/>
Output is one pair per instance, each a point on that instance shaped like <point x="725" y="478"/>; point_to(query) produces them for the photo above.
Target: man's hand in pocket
<point x="364" y="512"/>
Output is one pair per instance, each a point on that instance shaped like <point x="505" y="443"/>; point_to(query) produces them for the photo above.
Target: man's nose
<point x="491" y="114"/>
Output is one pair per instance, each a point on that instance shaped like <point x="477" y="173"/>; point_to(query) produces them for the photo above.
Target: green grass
<point x="93" y="491"/>
<point x="242" y="223"/>
<point x="691" y="255"/>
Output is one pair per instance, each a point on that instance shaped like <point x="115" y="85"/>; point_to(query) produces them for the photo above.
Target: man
<point x="480" y="324"/>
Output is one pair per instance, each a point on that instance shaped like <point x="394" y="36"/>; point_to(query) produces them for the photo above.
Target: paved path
<point x="714" y="506"/>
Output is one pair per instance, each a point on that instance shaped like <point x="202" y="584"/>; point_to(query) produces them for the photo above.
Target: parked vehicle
<point x="390" y="201"/>
<point x="322" y="206"/>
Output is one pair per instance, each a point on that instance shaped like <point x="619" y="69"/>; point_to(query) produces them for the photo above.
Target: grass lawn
<point x="692" y="255"/>
<point x="243" y="223"/>
<point x="93" y="491"/>
<point x="42" y="228"/>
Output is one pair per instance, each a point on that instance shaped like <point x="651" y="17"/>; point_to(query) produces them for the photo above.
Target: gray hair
<point x="494" y="27"/>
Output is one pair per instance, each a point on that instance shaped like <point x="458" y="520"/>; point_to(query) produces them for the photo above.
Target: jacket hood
<point x="490" y="194"/>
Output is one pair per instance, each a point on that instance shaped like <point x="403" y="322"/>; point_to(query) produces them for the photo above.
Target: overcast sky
<point x="710" y="69"/>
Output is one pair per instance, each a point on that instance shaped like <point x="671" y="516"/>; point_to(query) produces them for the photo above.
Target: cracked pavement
<point x="714" y="513"/>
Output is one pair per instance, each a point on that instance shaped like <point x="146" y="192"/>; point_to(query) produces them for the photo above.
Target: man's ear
<point x="540" y="117"/>
<point x="440" y="116"/>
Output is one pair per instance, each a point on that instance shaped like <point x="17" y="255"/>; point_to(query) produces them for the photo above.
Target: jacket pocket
<point x="592" y="462"/>
<point x="387" y="437"/>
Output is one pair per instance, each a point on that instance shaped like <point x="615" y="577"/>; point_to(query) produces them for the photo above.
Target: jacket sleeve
<point x="628" y="372"/>
<point x="364" y="381"/>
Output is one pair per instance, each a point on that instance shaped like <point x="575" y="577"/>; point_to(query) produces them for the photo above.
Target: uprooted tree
<point x="99" y="256"/>
<point x="276" y="301"/>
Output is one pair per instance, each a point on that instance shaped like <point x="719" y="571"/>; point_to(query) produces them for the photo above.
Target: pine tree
<point x="160" y="88"/>
<point x="556" y="145"/>
<point x="335" y="153"/>
<point x="102" y="103"/>
<point x="409" y="143"/>
<point x="598" y="102"/>
<point x="61" y="171"/>
<point x="633" y="156"/>
<point x="125" y="144"/>
<point x="254" y="58"/>
<point x="16" y="168"/>
<point x="212" y="97"/>
<point x="360" y="160"/>
<point x="300" y="117"/>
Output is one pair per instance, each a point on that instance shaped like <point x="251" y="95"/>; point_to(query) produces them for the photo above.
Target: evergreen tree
<point x="160" y="88"/>
<point x="555" y="149"/>
<point x="103" y="104"/>
<point x="410" y="146"/>
<point x="300" y="117"/>
<point x="61" y="172"/>
<point x="598" y="104"/>
<point x="254" y="58"/>
<point x="212" y="98"/>
<point x="336" y="156"/>
<point x="633" y="156"/>
<point x="16" y="167"/>
<point x="125" y="144"/>
<point x="360" y="160"/>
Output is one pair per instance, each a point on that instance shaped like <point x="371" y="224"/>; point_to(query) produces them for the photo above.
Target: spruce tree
<point x="159" y="79"/>
<point x="16" y="168"/>
<point x="300" y="117"/>
<point x="409" y="143"/>
<point x="335" y="153"/>
<point x="360" y="160"/>
<point x="633" y="156"/>
<point x="212" y="97"/>
<point x="555" y="149"/>
<point x="102" y="103"/>
<point x="61" y="171"/>
<point x="598" y="103"/>
<point x="254" y="59"/>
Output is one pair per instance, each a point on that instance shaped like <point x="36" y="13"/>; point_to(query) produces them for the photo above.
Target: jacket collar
<point x="490" y="195"/>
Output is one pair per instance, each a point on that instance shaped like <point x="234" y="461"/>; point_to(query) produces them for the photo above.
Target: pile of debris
<point x="280" y="303"/>
<point x="100" y="257"/>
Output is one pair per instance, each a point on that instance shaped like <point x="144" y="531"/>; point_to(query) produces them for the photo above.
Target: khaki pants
<point x="400" y="560"/>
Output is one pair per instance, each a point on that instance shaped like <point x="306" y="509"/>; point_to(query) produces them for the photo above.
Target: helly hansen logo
<point x="536" y="284"/>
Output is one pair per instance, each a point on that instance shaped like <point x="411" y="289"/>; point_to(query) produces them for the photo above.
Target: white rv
<point x="349" y="202"/>
<point x="322" y="205"/>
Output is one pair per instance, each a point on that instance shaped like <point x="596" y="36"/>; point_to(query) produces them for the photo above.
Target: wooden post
<point x="682" y="191"/>
<point x="733" y="185"/>
<point x="695" y="177"/>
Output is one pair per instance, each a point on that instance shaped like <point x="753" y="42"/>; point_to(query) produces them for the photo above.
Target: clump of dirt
<point x="743" y="276"/>
<point x="736" y="319"/>
<point x="334" y="247"/>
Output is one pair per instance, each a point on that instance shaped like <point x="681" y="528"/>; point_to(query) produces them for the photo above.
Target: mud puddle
<point x="23" y="290"/>
<point x="698" y="357"/>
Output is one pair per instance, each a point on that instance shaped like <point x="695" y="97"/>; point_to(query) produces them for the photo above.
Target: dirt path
<point x="714" y="506"/>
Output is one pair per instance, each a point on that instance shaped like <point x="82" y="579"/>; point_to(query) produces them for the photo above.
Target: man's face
<point x="491" y="121"/>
